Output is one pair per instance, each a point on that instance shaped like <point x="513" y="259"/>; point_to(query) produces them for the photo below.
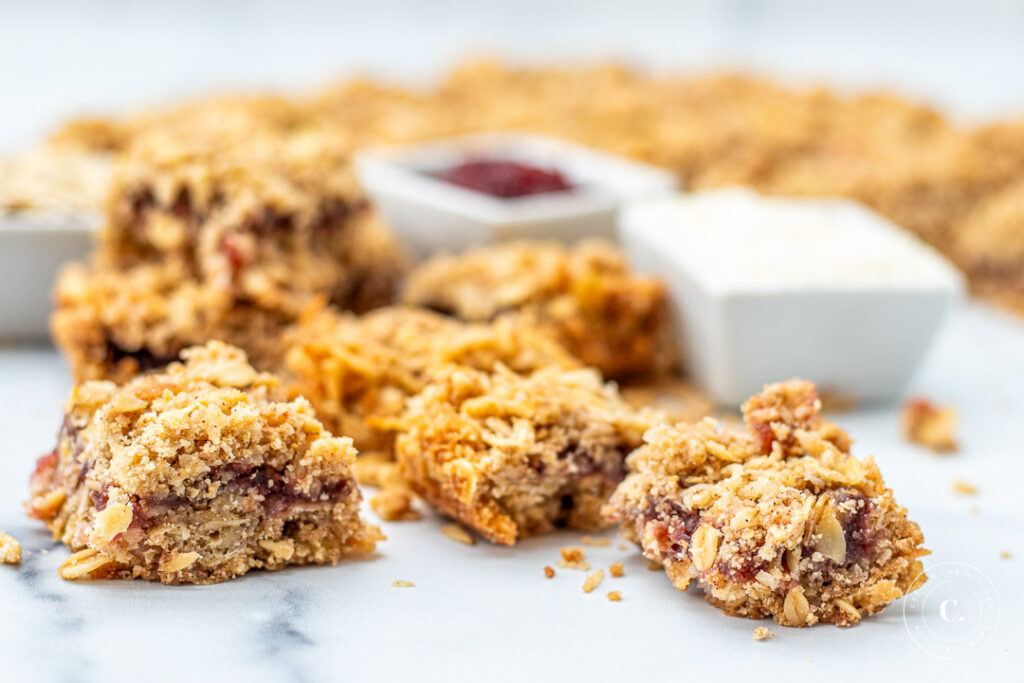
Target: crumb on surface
<point x="930" y="425"/>
<point x="595" y="542"/>
<point x="10" y="549"/>
<point x="1006" y="555"/>
<point x="458" y="534"/>
<point x="965" y="487"/>
<point x="763" y="633"/>
<point x="549" y="572"/>
<point x="394" y="505"/>
<point x="573" y="558"/>
<point x="593" y="580"/>
<point x="623" y="546"/>
<point x="614" y="596"/>
<point x="616" y="569"/>
<point x="403" y="584"/>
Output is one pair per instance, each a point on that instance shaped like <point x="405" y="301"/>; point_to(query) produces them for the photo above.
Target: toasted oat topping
<point x="593" y="580"/>
<point x="358" y="371"/>
<point x="776" y="520"/>
<point x="510" y="455"/>
<point x="196" y="475"/>
<point x="458" y="534"/>
<point x="584" y="296"/>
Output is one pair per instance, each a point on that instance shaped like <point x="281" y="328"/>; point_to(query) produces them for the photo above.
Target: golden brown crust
<point x="511" y="455"/>
<point x="585" y="296"/>
<point x="196" y="475"/>
<point x="779" y="521"/>
<point x="359" y="370"/>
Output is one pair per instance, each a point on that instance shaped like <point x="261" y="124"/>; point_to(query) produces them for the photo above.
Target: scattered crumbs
<point x="615" y="596"/>
<point x="394" y="505"/>
<point x="458" y="534"/>
<point x="763" y="633"/>
<point x="44" y="551"/>
<point x="10" y="549"/>
<point x="549" y="572"/>
<point x="573" y="558"/>
<point x="596" y="542"/>
<point x="622" y="546"/>
<point x="929" y="425"/>
<point x="965" y="487"/>
<point x="1006" y="555"/>
<point x="403" y="584"/>
<point x="593" y="580"/>
<point x="653" y="566"/>
<point x="616" y="569"/>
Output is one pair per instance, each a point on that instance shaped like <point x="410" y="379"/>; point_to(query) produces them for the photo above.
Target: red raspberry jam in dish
<point x="504" y="178"/>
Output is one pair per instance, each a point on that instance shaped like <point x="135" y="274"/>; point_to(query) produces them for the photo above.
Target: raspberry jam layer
<point x="505" y="178"/>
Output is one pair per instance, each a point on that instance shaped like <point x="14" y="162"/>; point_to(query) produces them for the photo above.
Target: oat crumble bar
<point x="778" y="521"/>
<point x="584" y="295"/>
<point x="510" y="455"/>
<point x="197" y="475"/>
<point x="355" y="370"/>
<point x="217" y="241"/>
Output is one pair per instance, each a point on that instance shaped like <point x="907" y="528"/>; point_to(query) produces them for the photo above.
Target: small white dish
<point x="765" y="289"/>
<point x="433" y="214"/>
<point x="33" y="245"/>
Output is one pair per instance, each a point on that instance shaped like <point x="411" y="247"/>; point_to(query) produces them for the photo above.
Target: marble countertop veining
<point x="488" y="613"/>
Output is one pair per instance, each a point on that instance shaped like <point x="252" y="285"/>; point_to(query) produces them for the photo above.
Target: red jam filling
<point x="505" y="178"/>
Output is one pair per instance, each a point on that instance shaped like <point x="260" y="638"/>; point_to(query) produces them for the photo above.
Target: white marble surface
<point x="487" y="613"/>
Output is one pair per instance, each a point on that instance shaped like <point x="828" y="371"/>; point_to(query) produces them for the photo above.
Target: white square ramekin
<point x="33" y="245"/>
<point x="765" y="289"/>
<point x="432" y="214"/>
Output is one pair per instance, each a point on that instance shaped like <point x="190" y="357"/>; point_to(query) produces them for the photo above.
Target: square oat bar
<point x="197" y="475"/>
<point x="359" y="369"/>
<point x="513" y="455"/>
<point x="585" y="296"/>
<point x="779" y="521"/>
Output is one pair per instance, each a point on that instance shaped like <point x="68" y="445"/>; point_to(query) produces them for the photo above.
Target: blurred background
<point x="59" y="58"/>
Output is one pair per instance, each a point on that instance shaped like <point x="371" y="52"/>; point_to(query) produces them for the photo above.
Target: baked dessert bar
<point x="584" y="295"/>
<point x="272" y="219"/>
<point x="779" y="521"/>
<point x="113" y="324"/>
<point x="356" y="370"/>
<point x="512" y="455"/>
<point x="197" y="475"/>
